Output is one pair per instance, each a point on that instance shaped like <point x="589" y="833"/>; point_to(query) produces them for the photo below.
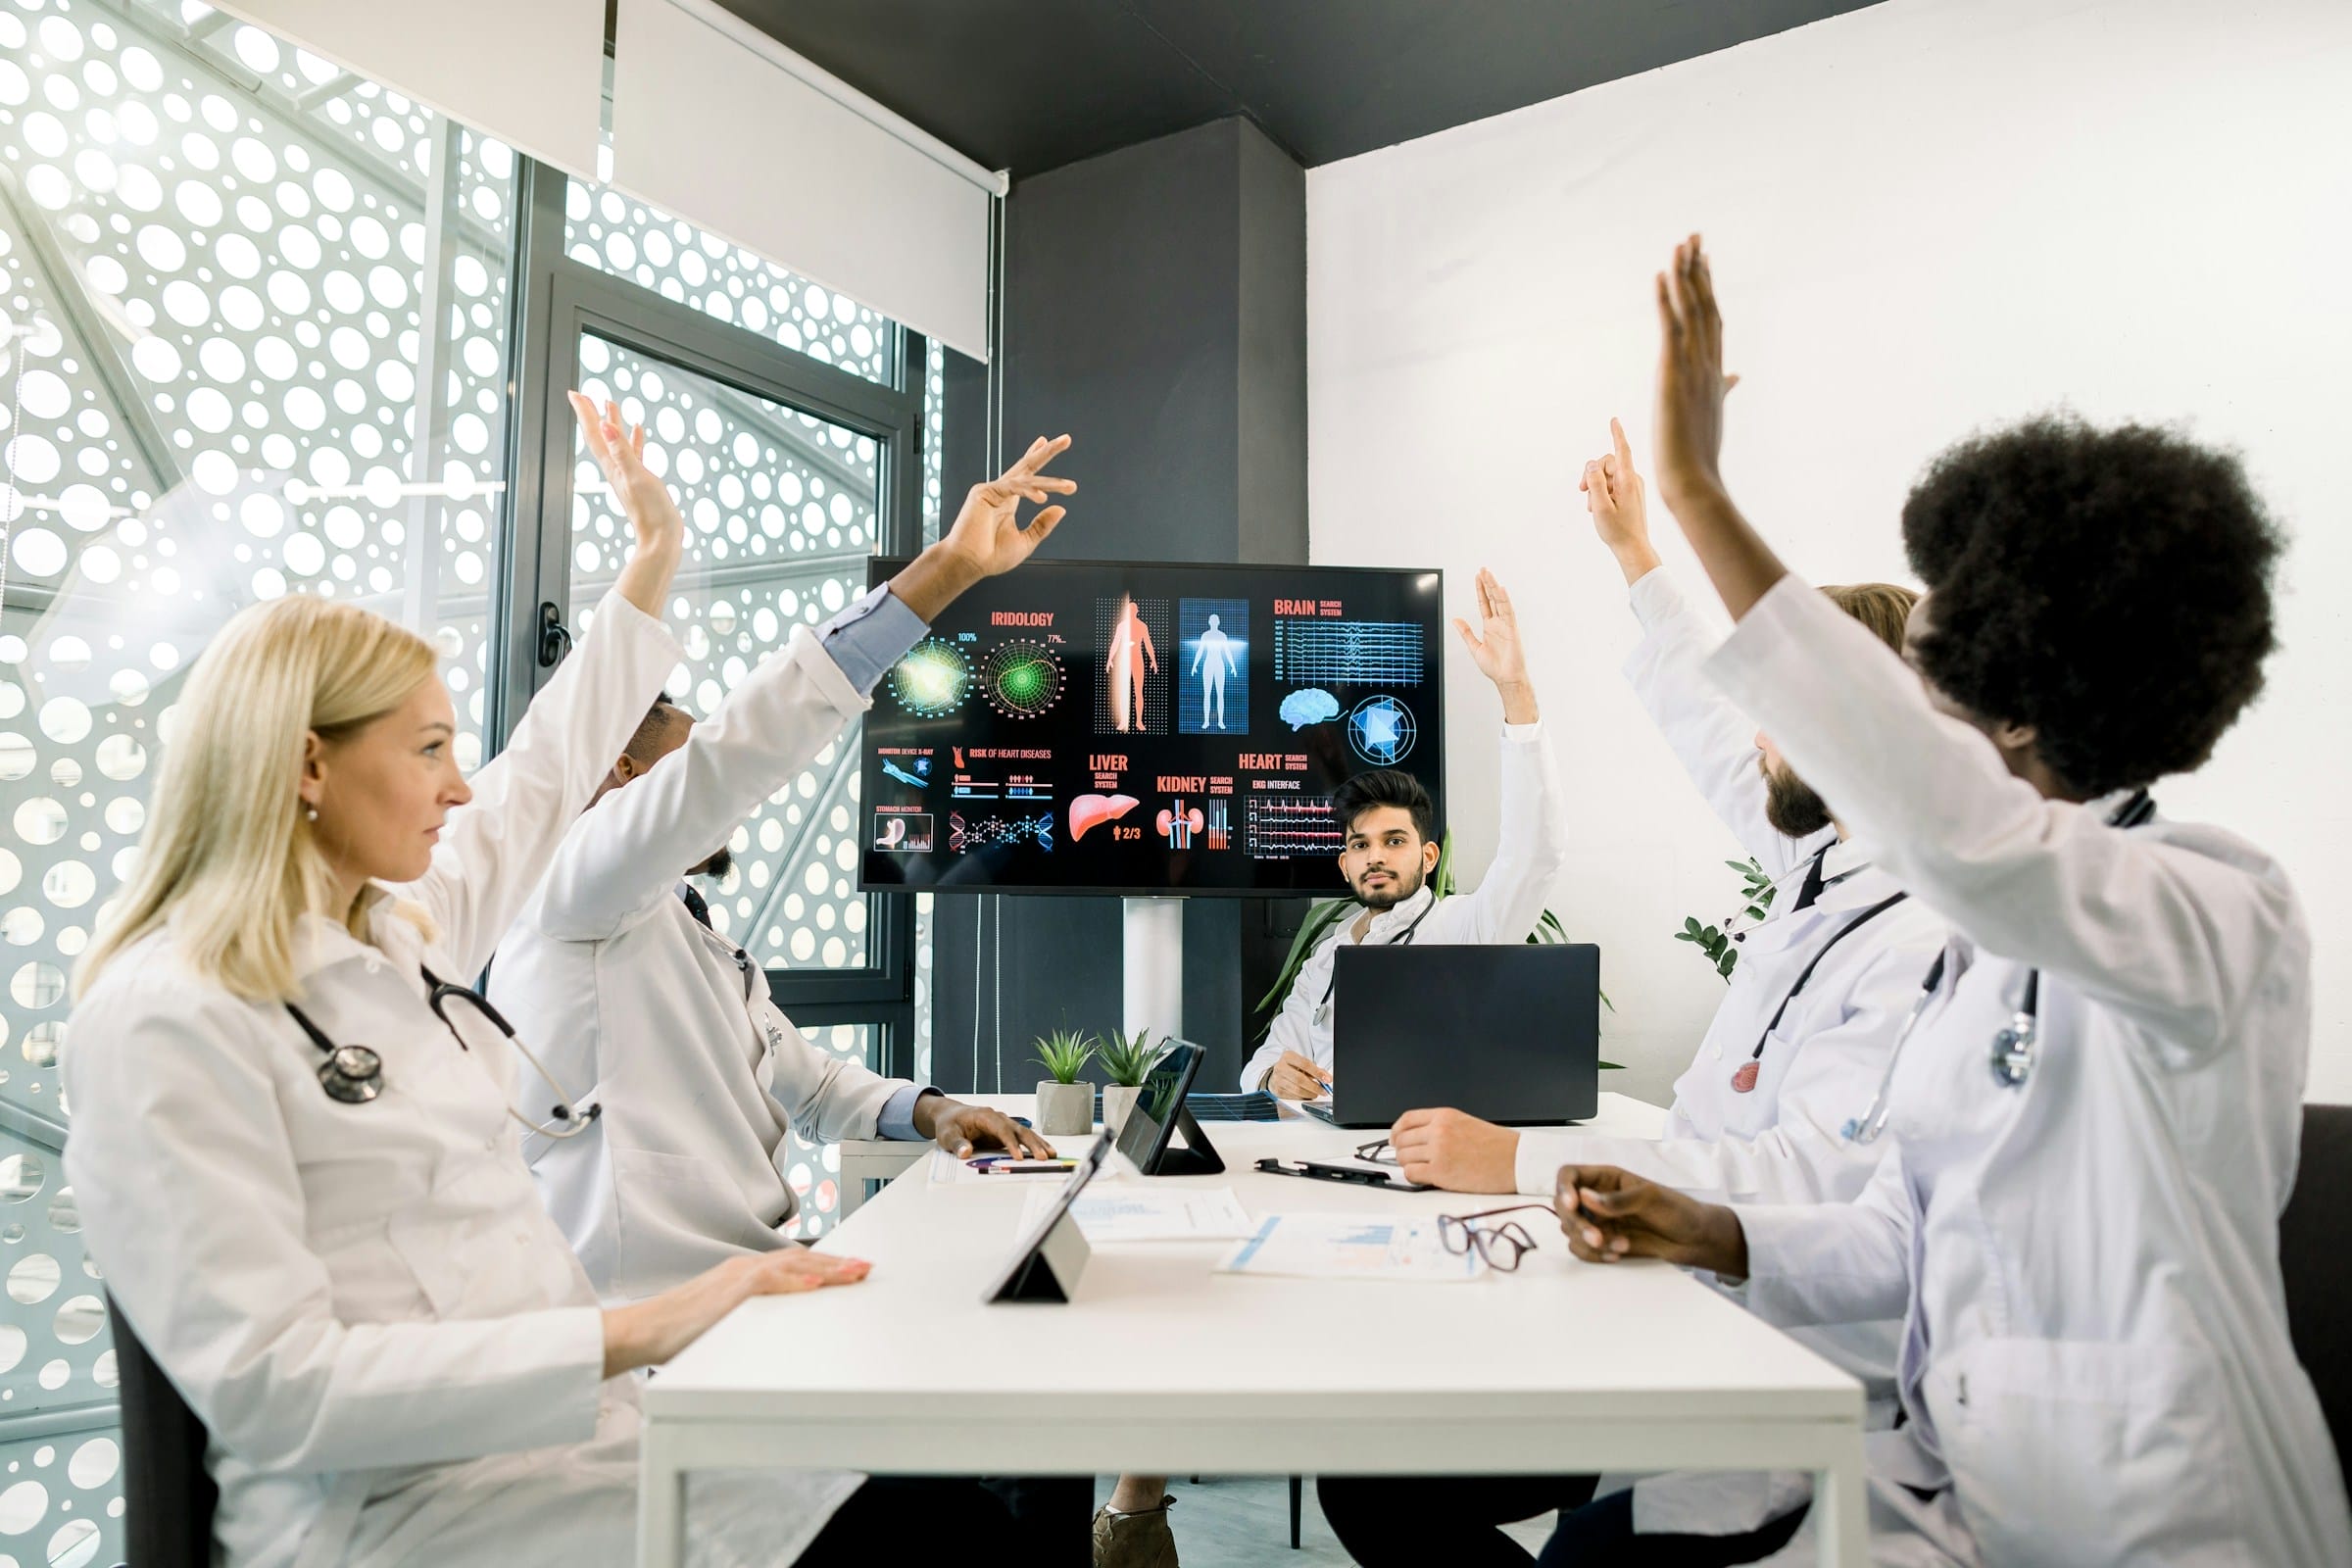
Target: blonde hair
<point x="1884" y="606"/>
<point x="229" y="856"/>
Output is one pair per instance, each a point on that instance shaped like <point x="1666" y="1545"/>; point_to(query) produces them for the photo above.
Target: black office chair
<point x="2318" y="1266"/>
<point x="168" y="1495"/>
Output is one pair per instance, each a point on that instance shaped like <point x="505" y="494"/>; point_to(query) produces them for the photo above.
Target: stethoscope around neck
<point x="353" y="1075"/>
<point x="2012" y="1044"/>
<point x="1403" y="938"/>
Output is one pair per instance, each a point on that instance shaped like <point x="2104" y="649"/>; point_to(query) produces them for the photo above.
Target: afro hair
<point x="2110" y="588"/>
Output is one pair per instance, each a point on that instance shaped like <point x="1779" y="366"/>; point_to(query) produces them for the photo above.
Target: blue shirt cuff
<point x="897" y="1113"/>
<point x="874" y="633"/>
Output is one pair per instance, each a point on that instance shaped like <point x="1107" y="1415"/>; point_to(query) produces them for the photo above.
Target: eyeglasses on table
<point x="1499" y="1247"/>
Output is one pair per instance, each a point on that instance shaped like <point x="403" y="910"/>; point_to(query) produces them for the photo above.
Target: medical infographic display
<point x="1117" y="727"/>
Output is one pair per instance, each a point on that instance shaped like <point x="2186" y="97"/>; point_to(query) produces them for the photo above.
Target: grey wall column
<point x="1157" y="311"/>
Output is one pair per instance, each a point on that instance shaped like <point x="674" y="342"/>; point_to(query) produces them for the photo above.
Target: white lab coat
<point x="397" y="1356"/>
<point x="698" y="1074"/>
<point x="1782" y="1142"/>
<point x="1530" y="848"/>
<point x="2096" y="1348"/>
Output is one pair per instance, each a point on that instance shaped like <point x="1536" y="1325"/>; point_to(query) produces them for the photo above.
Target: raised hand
<point x="1614" y="496"/>
<point x="1495" y="649"/>
<point x="1608" y="1214"/>
<point x="1691" y="384"/>
<point x="639" y="493"/>
<point x="987" y="538"/>
<point x="986" y="535"/>
<point x="620" y="450"/>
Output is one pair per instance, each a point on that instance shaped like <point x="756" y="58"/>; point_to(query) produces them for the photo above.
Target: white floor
<point x="1247" y="1520"/>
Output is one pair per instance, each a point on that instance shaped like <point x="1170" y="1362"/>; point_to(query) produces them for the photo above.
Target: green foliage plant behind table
<point x="1713" y="941"/>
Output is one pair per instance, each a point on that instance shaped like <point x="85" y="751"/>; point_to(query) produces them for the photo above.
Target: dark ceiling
<point x="1031" y="85"/>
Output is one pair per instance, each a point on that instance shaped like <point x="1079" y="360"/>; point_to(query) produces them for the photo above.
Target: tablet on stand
<point x="1054" y="1253"/>
<point x="1147" y="1137"/>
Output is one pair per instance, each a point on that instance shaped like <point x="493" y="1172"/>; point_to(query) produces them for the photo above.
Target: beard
<point x="717" y="866"/>
<point x="1406" y="883"/>
<point x="1790" y="803"/>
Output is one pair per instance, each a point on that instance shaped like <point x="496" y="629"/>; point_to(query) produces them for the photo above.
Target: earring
<point x="311" y="813"/>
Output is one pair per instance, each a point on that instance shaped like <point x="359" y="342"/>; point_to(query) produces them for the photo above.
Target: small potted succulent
<point x="1065" y="1102"/>
<point x="1126" y="1064"/>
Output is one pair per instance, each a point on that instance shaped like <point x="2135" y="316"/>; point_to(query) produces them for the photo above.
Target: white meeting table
<point x="1161" y="1366"/>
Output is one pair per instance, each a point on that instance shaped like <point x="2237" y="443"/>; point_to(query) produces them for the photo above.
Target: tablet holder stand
<point x="1050" y="1271"/>
<point x="1198" y="1158"/>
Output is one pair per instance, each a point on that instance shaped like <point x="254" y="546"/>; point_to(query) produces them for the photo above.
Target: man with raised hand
<point x="1795" y="1048"/>
<point x="614" y="964"/>
<point x="1391" y="848"/>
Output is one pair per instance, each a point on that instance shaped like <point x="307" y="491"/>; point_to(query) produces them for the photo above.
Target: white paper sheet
<point x="1195" y="1214"/>
<point x="1350" y="1247"/>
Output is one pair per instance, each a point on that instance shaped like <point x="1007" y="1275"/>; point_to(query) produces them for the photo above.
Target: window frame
<point x="555" y="299"/>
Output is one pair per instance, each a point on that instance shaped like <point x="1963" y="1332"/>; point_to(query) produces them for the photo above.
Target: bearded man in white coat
<point x="1800" y="1040"/>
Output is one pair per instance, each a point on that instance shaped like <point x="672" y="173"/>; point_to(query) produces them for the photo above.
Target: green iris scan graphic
<point x="1021" y="679"/>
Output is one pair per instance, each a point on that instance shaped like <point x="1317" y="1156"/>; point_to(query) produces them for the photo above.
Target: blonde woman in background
<point x="296" y="1142"/>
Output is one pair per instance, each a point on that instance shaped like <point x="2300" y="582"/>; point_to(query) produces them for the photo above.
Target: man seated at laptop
<point x="1798" y="1047"/>
<point x="1390" y="850"/>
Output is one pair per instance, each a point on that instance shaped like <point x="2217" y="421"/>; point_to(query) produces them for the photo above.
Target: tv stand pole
<point x="1152" y="949"/>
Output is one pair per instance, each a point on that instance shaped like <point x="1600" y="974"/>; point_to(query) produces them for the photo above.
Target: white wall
<point x="1926" y="215"/>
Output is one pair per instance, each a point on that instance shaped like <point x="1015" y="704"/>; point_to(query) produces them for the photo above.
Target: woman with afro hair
<point x="2092" y="1126"/>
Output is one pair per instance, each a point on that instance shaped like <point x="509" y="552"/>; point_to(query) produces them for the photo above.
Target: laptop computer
<point x="1508" y="1034"/>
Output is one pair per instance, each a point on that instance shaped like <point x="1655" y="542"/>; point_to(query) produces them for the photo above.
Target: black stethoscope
<point x="2012" y="1044"/>
<point x="1744" y="1081"/>
<point x="353" y="1075"/>
<point x="1403" y="938"/>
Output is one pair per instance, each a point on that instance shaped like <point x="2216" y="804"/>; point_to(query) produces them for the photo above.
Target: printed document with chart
<point x="1125" y="1214"/>
<point x="1350" y="1247"/>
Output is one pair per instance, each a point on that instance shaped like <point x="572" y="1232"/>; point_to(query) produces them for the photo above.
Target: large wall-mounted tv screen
<point x="1118" y="728"/>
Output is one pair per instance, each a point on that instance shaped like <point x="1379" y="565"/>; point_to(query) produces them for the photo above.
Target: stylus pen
<point x="1055" y="1169"/>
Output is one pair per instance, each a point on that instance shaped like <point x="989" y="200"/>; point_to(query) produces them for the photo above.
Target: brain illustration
<point x="1310" y="706"/>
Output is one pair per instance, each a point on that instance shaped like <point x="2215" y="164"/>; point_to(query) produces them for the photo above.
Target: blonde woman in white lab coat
<point x="2094" y="1125"/>
<point x="302" y="1180"/>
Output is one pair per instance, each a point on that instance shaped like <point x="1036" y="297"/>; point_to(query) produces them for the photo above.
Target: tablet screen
<point x="1145" y="1136"/>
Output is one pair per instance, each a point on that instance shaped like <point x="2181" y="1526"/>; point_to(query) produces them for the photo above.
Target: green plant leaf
<point x="1064" y="1053"/>
<point x="1127" y="1061"/>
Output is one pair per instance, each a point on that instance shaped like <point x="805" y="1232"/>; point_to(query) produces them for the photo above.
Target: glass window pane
<point x="935" y="418"/>
<point x="618" y="234"/>
<point x="781" y="513"/>
<point x="255" y="312"/>
<point x="251" y="341"/>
